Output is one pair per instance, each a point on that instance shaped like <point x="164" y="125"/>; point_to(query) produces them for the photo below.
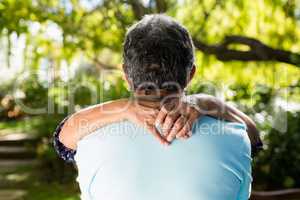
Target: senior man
<point x="120" y="160"/>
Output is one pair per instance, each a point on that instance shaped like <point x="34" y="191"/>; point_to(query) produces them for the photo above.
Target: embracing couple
<point x="160" y="144"/>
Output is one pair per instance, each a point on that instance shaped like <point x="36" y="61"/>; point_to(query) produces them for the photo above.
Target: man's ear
<point x="192" y="73"/>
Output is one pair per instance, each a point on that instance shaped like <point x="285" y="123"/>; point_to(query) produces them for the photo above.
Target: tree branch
<point x="138" y="8"/>
<point x="258" y="51"/>
<point x="161" y="6"/>
<point x="100" y="65"/>
<point x="207" y="14"/>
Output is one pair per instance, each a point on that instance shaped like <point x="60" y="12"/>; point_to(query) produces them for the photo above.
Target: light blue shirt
<point x="122" y="161"/>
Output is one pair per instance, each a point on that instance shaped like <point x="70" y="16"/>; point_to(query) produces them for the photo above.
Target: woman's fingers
<point x="161" y="116"/>
<point x="169" y="122"/>
<point x="183" y="134"/>
<point x="179" y="123"/>
<point x="186" y="129"/>
<point x="156" y="133"/>
<point x="176" y="122"/>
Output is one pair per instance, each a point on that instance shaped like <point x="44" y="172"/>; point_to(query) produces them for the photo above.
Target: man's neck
<point x="155" y="99"/>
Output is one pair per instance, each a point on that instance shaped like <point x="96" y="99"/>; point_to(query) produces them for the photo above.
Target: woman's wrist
<point x="93" y="118"/>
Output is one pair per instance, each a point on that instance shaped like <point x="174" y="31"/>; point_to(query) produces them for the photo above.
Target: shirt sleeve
<point x="64" y="152"/>
<point x="245" y="190"/>
<point x="246" y="160"/>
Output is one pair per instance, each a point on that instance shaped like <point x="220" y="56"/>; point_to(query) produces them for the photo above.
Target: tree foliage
<point x="82" y="26"/>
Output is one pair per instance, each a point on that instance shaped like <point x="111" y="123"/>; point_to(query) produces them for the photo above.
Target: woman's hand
<point x="176" y="120"/>
<point x="145" y="116"/>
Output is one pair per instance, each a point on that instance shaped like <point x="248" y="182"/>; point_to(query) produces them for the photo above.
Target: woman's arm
<point x="88" y="120"/>
<point x="177" y="121"/>
<point x="92" y="118"/>
<point x="214" y="107"/>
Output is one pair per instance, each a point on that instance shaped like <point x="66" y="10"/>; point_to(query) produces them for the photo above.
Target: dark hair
<point x="158" y="50"/>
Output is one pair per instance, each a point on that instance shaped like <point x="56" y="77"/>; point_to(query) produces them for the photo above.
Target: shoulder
<point x="230" y="136"/>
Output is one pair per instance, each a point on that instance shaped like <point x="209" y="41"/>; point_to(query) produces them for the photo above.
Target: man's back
<point x="124" y="162"/>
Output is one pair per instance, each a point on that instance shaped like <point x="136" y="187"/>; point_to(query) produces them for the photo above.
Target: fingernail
<point x="157" y="124"/>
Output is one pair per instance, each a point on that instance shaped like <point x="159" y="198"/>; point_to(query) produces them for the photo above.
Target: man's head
<point x="158" y="54"/>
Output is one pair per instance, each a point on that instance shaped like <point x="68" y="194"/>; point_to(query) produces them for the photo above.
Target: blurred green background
<point x="58" y="56"/>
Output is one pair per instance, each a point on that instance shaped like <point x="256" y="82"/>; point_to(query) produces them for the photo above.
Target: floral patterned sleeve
<point x="64" y="152"/>
<point x="257" y="147"/>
